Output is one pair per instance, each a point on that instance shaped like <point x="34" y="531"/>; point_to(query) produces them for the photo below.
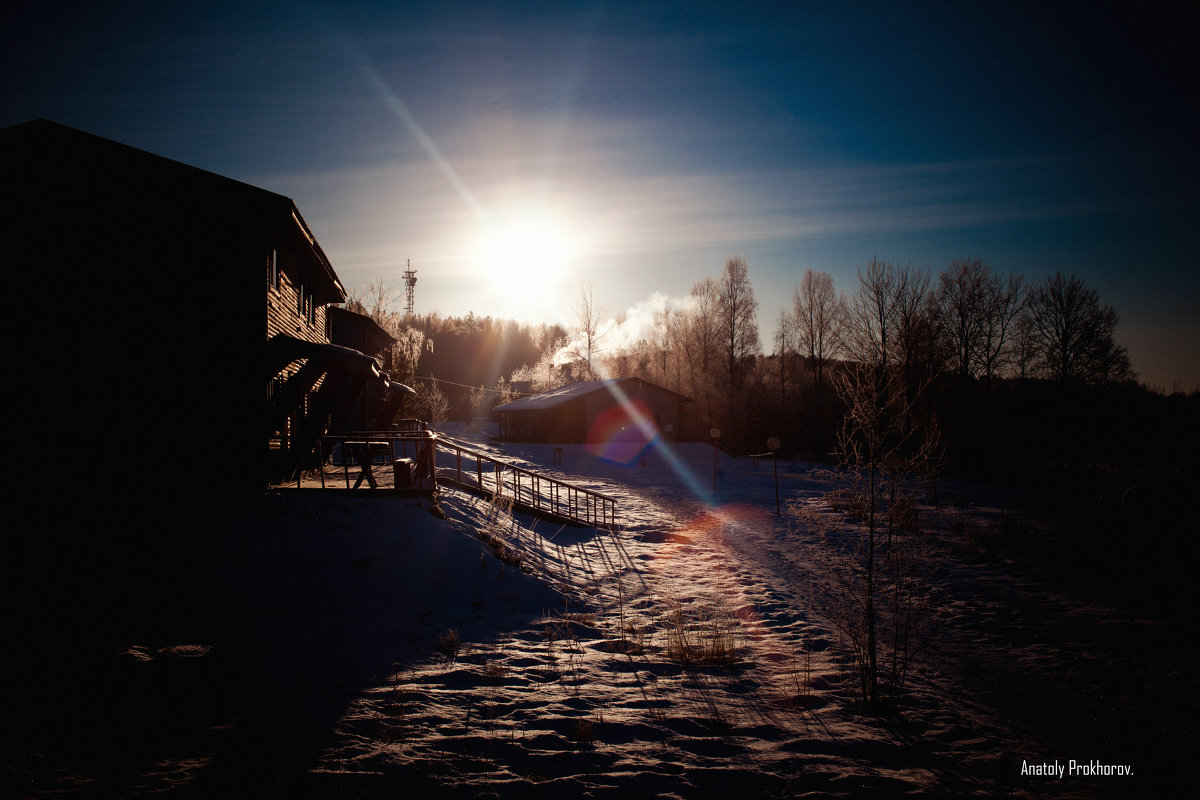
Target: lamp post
<point x="773" y="445"/>
<point x="715" y="433"/>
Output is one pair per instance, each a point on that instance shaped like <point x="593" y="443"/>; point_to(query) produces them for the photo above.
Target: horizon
<point x="514" y="156"/>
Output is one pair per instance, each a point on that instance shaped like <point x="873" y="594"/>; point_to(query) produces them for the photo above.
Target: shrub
<point x="449" y="645"/>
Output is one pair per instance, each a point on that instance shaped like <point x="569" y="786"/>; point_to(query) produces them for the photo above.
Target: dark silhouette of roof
<point x="65" y="184"/>
<point x="572" y="391"/>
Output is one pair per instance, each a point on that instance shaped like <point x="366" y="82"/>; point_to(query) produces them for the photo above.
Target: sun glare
<point x="523" y="256"/>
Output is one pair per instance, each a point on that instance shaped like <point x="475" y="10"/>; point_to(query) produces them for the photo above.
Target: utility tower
<point x="410" y="281"/>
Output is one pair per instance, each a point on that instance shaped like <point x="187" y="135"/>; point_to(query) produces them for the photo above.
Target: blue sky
<point x="637" y="146"/>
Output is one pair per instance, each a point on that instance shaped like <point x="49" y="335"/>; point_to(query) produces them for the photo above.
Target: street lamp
<point x="715" y="433"/>
<point x="773" y="445"/>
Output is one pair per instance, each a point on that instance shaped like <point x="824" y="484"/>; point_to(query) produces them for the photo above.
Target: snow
<point x="335" y="613"/>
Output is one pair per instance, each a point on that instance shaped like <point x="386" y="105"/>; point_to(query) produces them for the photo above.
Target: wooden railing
<point x="489" y="474"/>
<point x="534" y="490"/>
<point x="397" y="446"/>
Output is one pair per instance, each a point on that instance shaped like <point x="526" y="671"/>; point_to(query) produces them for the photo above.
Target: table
<point x="365" y="452"/>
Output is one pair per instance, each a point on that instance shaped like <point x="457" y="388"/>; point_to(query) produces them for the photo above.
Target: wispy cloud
<point x="634" y="216"/>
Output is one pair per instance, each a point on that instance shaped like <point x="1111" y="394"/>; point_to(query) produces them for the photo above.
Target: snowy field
<point x="395" y="649"/>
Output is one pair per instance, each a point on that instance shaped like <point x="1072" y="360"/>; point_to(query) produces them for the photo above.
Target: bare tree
<point x="1073" y="333"/>
<point x="784" y="332"/>
<point x="1024" y="343"/>
<point x="877" y="567"/>
<point x="818" y="313"/>
<point x="871" y="315"/>
<point x="543" y="375"/>
<point x="884" y="447"/>
<point x="912" y="293"/>
<point x="406" y="352"/>
<point x="1003" y="301"/>
<point x="671" y="337"/>
<point x="433" y="401"/>
<point x="701" y="338"/>
<point x="376" y="301"/>
<point x="962" y="302"/>
<point x="736" y="317"/>
<point x="590" y="331"/>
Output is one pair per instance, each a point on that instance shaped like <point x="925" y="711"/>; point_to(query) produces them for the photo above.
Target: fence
<point x="367" y="450"/>
<point x="542" y="493"/>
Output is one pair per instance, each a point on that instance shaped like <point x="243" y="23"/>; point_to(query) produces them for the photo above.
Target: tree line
<point x="969" y="325"/>
<point x="1011" y="371"/>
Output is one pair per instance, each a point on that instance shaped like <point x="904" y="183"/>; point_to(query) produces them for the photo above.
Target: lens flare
<point x="622" y="434"/>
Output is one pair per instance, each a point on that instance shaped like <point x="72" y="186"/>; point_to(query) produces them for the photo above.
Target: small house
<point x="613" y="410"/>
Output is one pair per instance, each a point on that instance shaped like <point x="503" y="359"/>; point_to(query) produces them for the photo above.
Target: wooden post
<point x="433" y="463"/>
<point x="321" y="459"/>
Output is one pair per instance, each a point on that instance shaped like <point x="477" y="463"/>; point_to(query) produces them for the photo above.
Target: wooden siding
<point x="283" y="315"/>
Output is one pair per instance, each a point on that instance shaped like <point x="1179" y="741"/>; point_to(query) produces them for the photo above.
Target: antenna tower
<point x="410" y="281"/>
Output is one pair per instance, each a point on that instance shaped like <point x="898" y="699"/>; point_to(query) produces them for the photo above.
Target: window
<point x="305" y="307"/>
<point x="273" y="269"/>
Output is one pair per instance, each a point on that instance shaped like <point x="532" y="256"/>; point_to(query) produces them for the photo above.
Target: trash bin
<point x="402" y="472"/>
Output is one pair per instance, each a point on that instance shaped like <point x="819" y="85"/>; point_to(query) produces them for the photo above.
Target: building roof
<point x="342" y="321"/>
<point x="48" y="168"/>
<point x="572" y="391"/>
<point x="283" y="350"/>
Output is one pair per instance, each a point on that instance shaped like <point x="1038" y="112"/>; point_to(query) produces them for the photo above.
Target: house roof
<point x="572" y="391"/>
<point x="343" y="320"/>
<point x="283" y="350"/>
<point x="51" y="168"/>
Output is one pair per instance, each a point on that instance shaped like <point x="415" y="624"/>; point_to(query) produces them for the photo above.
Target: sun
<point x="524" y="254"/>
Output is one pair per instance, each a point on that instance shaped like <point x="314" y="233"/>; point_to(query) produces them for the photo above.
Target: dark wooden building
<point x="619" y="409"/>
<point x="167" y="325"/>
<point x="380" y="402"/>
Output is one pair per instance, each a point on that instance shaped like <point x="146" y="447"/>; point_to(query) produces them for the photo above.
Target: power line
<point x="473" y="388"/>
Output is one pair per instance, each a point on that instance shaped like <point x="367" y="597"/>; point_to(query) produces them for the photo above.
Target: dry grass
<point x="709" y="635"/>
<point x="499" y="525"/>
<point x="449" y="645"/>
<point x="800" y="673"/>
<point x="494" y="672"/>
<point x="584" y="731"/>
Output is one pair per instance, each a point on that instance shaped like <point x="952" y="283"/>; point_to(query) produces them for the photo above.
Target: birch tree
<point x="590" y="331"/>
<point x="738" y="325"/>
<point x="819" y="314"/>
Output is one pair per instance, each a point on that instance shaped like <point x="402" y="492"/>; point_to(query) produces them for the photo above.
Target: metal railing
<point x="486" y="473"/>
<point x="534" y="490"/>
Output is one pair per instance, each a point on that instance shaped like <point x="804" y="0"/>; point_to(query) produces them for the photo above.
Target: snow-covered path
<point x="380" y="646"/>
<point x="687" y="659"/>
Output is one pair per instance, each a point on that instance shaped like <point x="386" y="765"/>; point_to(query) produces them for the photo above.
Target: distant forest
<point x="1017" y="378"/>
